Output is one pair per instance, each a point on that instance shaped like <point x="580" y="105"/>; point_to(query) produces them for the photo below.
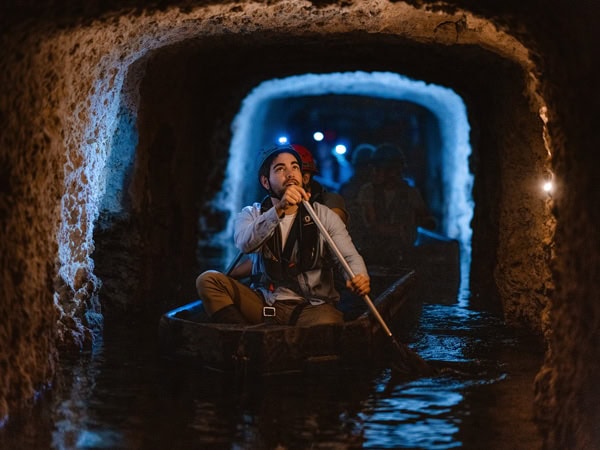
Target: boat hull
<point x="186" y="334"/>
<point x="436" y="261"/>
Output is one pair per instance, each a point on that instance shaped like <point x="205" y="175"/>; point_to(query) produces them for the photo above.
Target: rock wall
<point x="73" y="79"/>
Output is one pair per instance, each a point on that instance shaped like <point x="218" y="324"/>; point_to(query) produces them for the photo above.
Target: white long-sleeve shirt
<point x="251" y="231"/>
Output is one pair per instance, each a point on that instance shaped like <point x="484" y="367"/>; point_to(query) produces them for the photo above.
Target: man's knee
<point x="213" y="290"/>
<point x="207" y="279"/>
<point x="321" y="315"/>
<point x="331" y="316"/>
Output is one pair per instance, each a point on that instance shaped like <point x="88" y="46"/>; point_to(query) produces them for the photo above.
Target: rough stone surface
<point x="75" y="80"/>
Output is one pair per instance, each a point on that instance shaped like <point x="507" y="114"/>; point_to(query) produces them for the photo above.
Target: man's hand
<point x="292" y="196"/>
<point x="360" y="284"/>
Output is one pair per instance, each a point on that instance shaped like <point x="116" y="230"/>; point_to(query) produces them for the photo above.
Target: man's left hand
<point x="360" y="284"/>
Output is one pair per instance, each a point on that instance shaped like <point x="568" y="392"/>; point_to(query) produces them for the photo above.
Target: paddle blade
<point x="405" y="363"/>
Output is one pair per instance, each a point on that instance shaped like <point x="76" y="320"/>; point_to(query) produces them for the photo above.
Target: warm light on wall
<point x="548" y="184"/>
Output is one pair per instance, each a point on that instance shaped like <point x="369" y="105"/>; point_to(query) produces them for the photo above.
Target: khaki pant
<point x="217" y="291"/>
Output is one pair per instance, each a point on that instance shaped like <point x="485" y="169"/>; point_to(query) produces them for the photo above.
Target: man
<point x="317" y="192"/>
<point x="291" y="271"/>
<point x="391" y="209"/>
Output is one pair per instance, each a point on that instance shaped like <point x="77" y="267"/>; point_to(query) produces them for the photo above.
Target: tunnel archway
<point x="61" y="61"/>
<point x="78" y="70"/>
<point x="184" y="127"/>
<point x="257" y="124"/>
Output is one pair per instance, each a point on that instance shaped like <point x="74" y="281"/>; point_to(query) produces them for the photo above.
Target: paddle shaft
<point x="345" y="264"/>
<point x="410" y="362"/>
<point x="234" y="263"/>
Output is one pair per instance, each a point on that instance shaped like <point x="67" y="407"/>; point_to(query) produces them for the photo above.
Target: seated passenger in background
<point x="361" y="164"/>
<point x="391" y="209"/>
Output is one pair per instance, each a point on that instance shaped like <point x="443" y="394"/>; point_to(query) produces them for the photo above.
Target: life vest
<point x="300" y="254"/>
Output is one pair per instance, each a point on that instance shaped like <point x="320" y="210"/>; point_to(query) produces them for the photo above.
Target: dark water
<point x="125" y="396"/>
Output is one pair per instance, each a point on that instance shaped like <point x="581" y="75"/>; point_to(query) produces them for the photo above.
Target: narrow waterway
<point x="124" y="396"/>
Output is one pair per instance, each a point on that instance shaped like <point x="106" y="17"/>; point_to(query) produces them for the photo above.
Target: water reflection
<point x="124" y="396"/>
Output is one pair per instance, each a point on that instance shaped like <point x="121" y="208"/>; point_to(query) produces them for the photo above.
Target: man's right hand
<point x="292" y="196"/>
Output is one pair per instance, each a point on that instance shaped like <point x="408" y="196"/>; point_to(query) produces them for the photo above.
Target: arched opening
<point x="188" y="96"/>
<point x="428" y="122"/>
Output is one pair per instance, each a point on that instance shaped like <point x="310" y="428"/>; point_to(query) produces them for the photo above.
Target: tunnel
<point x="118" y="128"/>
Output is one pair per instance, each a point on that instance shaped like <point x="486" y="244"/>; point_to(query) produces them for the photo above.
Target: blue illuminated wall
<point x="252" y="130"/>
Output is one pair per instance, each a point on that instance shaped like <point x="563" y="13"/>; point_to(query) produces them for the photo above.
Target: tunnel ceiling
<point x="267" y="55"/>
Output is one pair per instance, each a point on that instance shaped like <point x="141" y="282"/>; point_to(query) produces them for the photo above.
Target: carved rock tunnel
<point x="172" y="82"/>
<point x="175" y="153"/>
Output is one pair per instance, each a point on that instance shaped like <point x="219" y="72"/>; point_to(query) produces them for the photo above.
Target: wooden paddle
<point x="233" y="263"/>
<point x="407" y="363"/>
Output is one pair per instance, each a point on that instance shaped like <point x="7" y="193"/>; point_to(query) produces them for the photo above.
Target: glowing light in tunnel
<point x="340" y="149"/>
<point x="318" y="136"/>
<point x="548" y="183"/>
<point x="447" y="106"/>
<point x="282" y="139"/>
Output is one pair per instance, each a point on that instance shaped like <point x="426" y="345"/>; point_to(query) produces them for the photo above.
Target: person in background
<point x="292" y="274"/>
<point x="361" y="163"/>
<point x="391" y="209"/>
<point x="318" y="193"/>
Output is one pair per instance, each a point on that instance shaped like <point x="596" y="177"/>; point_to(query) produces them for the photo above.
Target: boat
<point x="186" y="334"/>
<point x="436" y="260"/>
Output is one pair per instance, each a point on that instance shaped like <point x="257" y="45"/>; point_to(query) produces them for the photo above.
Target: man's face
<point x="284" y="171"/>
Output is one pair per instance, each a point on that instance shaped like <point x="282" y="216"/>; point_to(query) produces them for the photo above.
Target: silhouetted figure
<point x="391" y="209"/>
<point x="361" y="163"/>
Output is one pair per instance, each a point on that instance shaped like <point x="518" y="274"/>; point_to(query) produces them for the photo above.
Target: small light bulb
<point x="282" y="139"/>
<point x="340" y="149"/>
<point x="547" y="186"/>
<point x="318" y="136"/>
